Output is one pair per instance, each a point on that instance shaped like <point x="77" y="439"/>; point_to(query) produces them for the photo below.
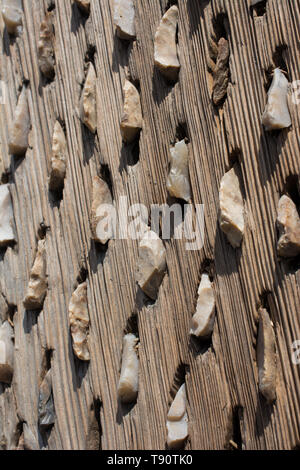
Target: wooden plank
<point x="223" y="400"/>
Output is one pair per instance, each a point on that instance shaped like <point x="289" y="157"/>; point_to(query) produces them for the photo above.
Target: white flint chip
<point x="12" y="11"/>
<point x="19" y="131"/>
<point x="266" y="357"/>
<point x="177" y="421"/>
<point x="37" y="287"/>
<point x="88" y="104"/>
<point x="132" y="120"/>
<point x="165" y="47"/>
<point x="151" y="264"/>
<point x="101" y="217"/>
<point x="80" y="322"/>
<point x="277" y="115"/>
<point x="178" y="182"/>
<point x="124" y="18"/>
<point x="6" y="216"/>
<point x="129" y="378"/>
<point x="232" y="208"/>
<point x="6" y="353"/>
<point x="58" y="159"/>
<point x="288" y="222"/>
<point x="204" y="318"/>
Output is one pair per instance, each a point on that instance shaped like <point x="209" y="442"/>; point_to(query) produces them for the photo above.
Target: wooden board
<point x="223" y="400"/>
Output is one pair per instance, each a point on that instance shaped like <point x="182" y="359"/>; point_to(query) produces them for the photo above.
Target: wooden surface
<point x="223" y="400"/>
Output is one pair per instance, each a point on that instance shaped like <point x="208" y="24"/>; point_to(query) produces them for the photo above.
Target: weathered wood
<point x="223" y="400"/>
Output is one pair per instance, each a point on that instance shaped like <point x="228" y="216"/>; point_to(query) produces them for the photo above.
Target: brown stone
<point x="221" y="72"/>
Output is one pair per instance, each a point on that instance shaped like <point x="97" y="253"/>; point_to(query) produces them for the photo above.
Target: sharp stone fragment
<point x="165" y="47"/>
<point x="129" y="378"/>
<point x="288" y="222"/>
<point x="45" y="47"/>
<point x="79" y="322"/>
<point x="58" y="159"/>
<point x="266" y="357"/>
<point x="37" y="287"/>
<point x="178" y="182"/>
<point x="88" y="104"/>
<point x="6" y="353"/>
<point x="6" y="216"/>
<point x="232" y="208"/>
<point x="177" y="421"/>
<point x="132" y="119"/>
<point x="12" y="11"/>
<point x="276" y="114"/>
<point x="19" y="131"/>
<point x="124" y="19"/>
<point x="101" y="225"/>
<point x="46" y="409"/>
<point x="151" y="264"/>
<point x="204" y="318"/>
<point x="221" y="72"/>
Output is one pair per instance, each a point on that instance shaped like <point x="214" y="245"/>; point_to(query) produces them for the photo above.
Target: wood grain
<point x="223" y="399"/>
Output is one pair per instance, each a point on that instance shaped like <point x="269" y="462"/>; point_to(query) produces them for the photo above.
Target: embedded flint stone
<point x="101" y="225"/>
<point x="165" y="47"/>
<point x="80" y="322"/>
<point x="232" y="209"/>
<point x="88" y="104"/>
<point x="266" y="357"/>
<point x="288" y="222"/>
<point x="132" y="119"/>
<point x="129" y="378"/>
<point x="45" y="47"/>
<point x="19" y="131"/>
<point x="151" y="264"/>
<point x="37" y="287"/>
<point x="178" y="182"/>
<point x="84" y="5"/>
<point x="276" y="114"/>
<point x="204" y="318"/>
<point x="221" y="72"/>
<point x="124" y="19"/>
<point x="12" y="11"/>
<point x="177" y="421"/>
<point x="6" y="353"/>
<point x="58" y="159"/>
<point x="46" y="411"/>
<point x="6" y="216"/>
